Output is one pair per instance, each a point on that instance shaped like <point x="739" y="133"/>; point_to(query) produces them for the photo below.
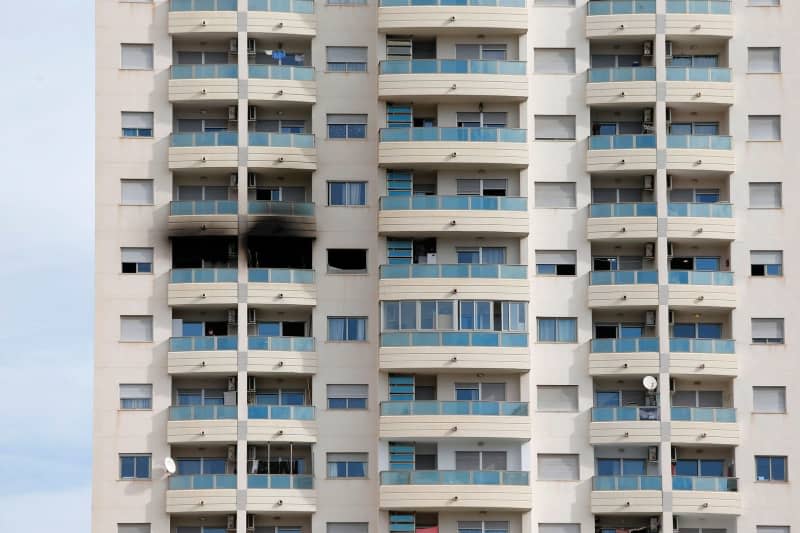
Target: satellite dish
<point x="650" y="383"/>
<point x="169" y="465"/>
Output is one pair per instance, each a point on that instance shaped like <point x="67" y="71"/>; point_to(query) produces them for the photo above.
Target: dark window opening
<point x="342" y="260"/>
<point x="204" y="252"/>
<point x="294" y="329"/>
<point x="758" y="270"/>
<point x="565" y="270"/>
<point x="279" y="252"/>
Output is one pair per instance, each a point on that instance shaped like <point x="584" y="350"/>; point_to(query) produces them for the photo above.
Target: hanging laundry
<point x="278" y="54"/>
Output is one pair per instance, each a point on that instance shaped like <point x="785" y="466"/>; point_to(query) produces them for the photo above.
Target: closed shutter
<point x="495" y="120"/>
<point x="347" y="391"/>
<point x="468" y="460"/>
<point x="555" y="127"/>
<point x="347" y="457"/>
<point x="136" y="528"/>
<point x="398" y="183"/>
<point x="138" y="120"/>
<point x="494" y="461"/>
<point x="561" y="528"/>
<point x="468" y="51"/>
<point x="763" y="59"/>
<point x="563" y="398"/>
<point x="767" y="328"/>
<point x="346" y="119"/>
<point x="401" y="387"/>
<point x="136" y="328"/>
<point x="765" y="195"/>
<point x="347" y="527"/>
<point x="136" y="392"/>
<point x="137" y="255"/>
<point x="764" y="127"/>
<point x="493" y="392"/>
<point x="554" y="194"/>
<point x="347" y="54"/>
<point x="137" y="192"/>
<point x="553" y="257"/>
<point x="137" y="56"/>
<point x="766" y="257"/>
<point x="558" y="467"/>
<point x="769" y="399"/>
<point x="470" y="187"/>
<point x="554" y="60"/>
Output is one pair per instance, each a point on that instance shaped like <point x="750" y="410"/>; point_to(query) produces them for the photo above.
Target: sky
<point x="46" y="265"/>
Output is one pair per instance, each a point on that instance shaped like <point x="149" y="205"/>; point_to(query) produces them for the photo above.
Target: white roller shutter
<point x="558" y="467"/>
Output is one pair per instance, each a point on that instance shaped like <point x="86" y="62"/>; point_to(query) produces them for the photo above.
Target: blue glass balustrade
<point x="626" y="483"/>
<point x="623" y="277"/>
<point x="203" y="275"/>
<point x="280" y="275"/>
<point x="454" y="407"/>
<point x="281" y="344"/>
<point x="628" y="209"/>
<point x="454" y="477"/>
<point x="431" y="134"/>
<point x="455" y="338"/>
<point x="202" y="344"/>
<point x="622" y="142"/>
<point x="621" y="7"/>
<point x="202" y="207"/>
<point x="617" y="74"/>
<point x="455" y="203"/>
<point x="700" y="142"/>
<point x="454" y="271"/>
<point x="625" y="345"/>
<point x="280" y="412"/>
<point x="452" y="66"/>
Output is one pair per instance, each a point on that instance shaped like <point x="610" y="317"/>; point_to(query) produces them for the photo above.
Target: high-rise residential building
<point x="447" y="266"/>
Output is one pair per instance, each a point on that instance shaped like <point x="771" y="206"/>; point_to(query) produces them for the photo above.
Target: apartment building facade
<point x="458" y="266"/>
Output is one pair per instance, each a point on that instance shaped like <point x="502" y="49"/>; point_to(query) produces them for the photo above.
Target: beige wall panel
<point x="723" y="297"/>
<point x="440" y="222"/>
<point x="262" y="361"/>
<point x="710" y="92"/>
<point x="701" y="228"/>
<point x="635" y="92"/>
<point x="281" y="91"/>
<point x="202" y="293"/>
<point x="201" y="501"/>
<point x="280" y="24"/>
<point x="452" y="18"/>
<point x="613" y="364"/>
<point x="466" y="427"/>
<point x="626" y="501"/>
<point x="441" y="358"/>
<point x="701" y="160"/>
<point x="704" y="433"/>
<point x="441" y="153"/>
<point x="202" y="22"/>
<point x="699" y="25"/>
<point x="200" y="432"/>
<point x="622" y="228"/>
<point x="637" y="431"/>
<point x="617" y="26"/>
<point x="703" y="364"/>
<point x="281" y="501"/>
<point x="443" y="289"/>
<point x="282" y="294"/>
<point x="204" y="90"/>
<point x="282" y="158"/>
<point x="281" y="430"/>
<point x="485" y="86"/>
<point x="446" y="497"/>
<point x="643" y="159"/>
<point x="640" y="295"/>
<point x="213" y="362"/>
<point x="718" y="503"/>
<point x="199" y="158"/>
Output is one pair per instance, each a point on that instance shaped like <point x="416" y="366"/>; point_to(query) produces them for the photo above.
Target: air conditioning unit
<point x="647" y="48"/>
<point x="648" y="182"/>
<point x="232" y="453"/>
<point x="669" y="182"/>
<point x="650" y="318"/>
<point x="251" y="180"/>
<point x="649" y="250"/>
<point x="231" y="522"/>
<point x="668" y="49"/>
<point x="233" y="112"/>
<point x="251" y="522"/>
<point x="232" y="318"/>
<point x="251" y="383"/>
<point x="652" y="454"/>
<point x="669" y="249"/>
<point x="674" y="454"/>
<point x="234" y="46"/>
<point x="671" y="317"/>
<point x="431" y="258"/>
<point x="251" y="316"/>
<point x="668" y="116"/>
<point x="647" y="115"/>
<point x="251" y="47"/>
<point x="234" y="179"/>
<point x="232" y="383"/>
<point x="251" y="113"/>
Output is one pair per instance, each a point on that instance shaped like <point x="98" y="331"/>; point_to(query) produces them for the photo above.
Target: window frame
<point x="123" y="399"/>
<point x="139" y="69"/>
<point x="152" y="329"/>
<point x="771" y="479"/>
<point x="347" y="185"/>
<point x="557" y="320"/>
<point x="756" y="140"/>
<point x="778" y="184"/>
<point x="347" y="320"/>
<point x="136" y="266"/>
<point x="138" y="133"/>
<point x="364" y="465"/>
<point x="135" y="457"/>
<point x="777" y="341"/>
<point x="780" y="60"/>
<point x="766" y="266"/>
<point x="349" y="401"/>
<point x="781" y="388"/>
<point x="129" y="181"/>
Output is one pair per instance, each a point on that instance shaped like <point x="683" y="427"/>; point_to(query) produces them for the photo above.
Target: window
<point x="481" y="255"/>
<point x="766" y="263"/>
<point x="479" y="526"/>
<point x="134" y="466"/>
<point x="764" y="127"/>
<point x="347" y="527"/>
<point x="557" y="329"/>
<point x="341" y="126"/>
<point x="136" y="396"/>
<point x="347" y="193"/>
<point x="763" y="60"/>
<point x="769" y="399"/>
<point x="136" y="124"/>
<point x="772" y="529"/>
<point x="481" y="187"/>
<point x="554" y="60"/>
<point x="347" y="2"/>
<point x="767" y="330"/>
<point x="347" y="465"/>
<point x="558" y="467"/>
<point x="347" y="396"/>
<point x="481" y="119"/>
<point x="497" y="52"/>
<point x="347" y="261"/>
<point x="347" y="58"/>
<point x="559" y="528"/>
<point x="349" y="328"/>
<point x="555" y="262"/>
<point x="770" y="468"/>
<point x="557" y="398"/>
<point x="765" y="3"/>
<point x="766" y="195"/>
<point x="554" y="3"/>
<point x="133" y="528"/>
<point x="549" y="194"/>
<point x="137" y="260"/>
<point x="555" y="127"/>
<point x="136" y="329"/>
<point x="137" y="57"/>
<point x="137" y="192"/>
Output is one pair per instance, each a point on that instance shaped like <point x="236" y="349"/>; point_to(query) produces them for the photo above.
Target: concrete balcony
<point x="710" y="18"/>
<point x="281" y="423"/>
<point x="203" y="217"/>
<point x="281" y="287"/>
<point x="699" y="221"/>
<point x="453" y="215"/>
<point x="623" y="289"/>
<point x="619" y="153"/>
<point x="282" y="355"/>
<point x="625" y="85"/>
<point x="281" y="151"/>
<point x="706" y="496"/>
<point x="204" y="83"/>
<point x="203" y="287"/>
<point x="703" y="357"/>
<point x="626" y="495"/>
<point x="704" y="426"/>
<point x="448" y="490"/>
<point x="621" y="18"/>
<point x="625" y="425"/>
<point x="697" y="289"/>
<point x="438" y="16"/>
<point x="434" y="148"/>
<point x="454" y="351"/>
<point x="622" y="221"/>
<point x="281" y="84"/>
<point x="202" y="355"/>
<point x="208" y="150"/>
<point x="454" y="419"/>
<point x="202" y="17"/>
<point x="202" y="424"/>
<point x="624" y="363"/>
<point x="439" y="80"/>
<point x="276" y="493"/>
<point x="469" y="281"/>
<point x="281" y="18"/>
<point x="203" y="494"/>
<point x="699" y="85"/>
<point x="700" y="153"/>
<point x="297" y="218"/>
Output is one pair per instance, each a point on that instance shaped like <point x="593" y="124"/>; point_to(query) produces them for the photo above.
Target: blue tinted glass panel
<point x="709" y="331"/>
<point x="683" y="331"/>
<point x="686" y="467"/>
<point x="608" y="467"/>
<point x="712" y="467"/>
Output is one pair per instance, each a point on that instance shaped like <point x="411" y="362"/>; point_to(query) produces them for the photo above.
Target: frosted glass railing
<point x="626" y="483"/>
<point x="281" y="72"/>
<point x="700" y="142"/>
<point x="621" y="142"/>
<point x="202" y="482"/>
<point x="283" y="6"/>
<point x="448" y="3"/>
<point x="700" y="277"/>
<point x="281" y="140"/>
<point x="703" y="414"/>
<point x="454" y="271"/>
<point x="281" y="344"/>
<point x="202" y="5"/>
<point x="457" y="203"/>
<point x="269" y="207"/>
<point x="625" y="345"/>
<point x="454" y="477"/>
<point x="203" y="275"/>
<point x="280" y="412"/>
<point x="678" y="344"/>
<point x="690" y="209"/>
<point x="605" y="75"/>
<point x="454" y="338"/>
<point x="629" y="209"/>
<point x="208" y="138"/>
<point x="705" y="483"/>
<point x="202" y="412"/>
<point x="202" y="344"/>
<point x="623" y="277"/>
<point x="194" y="72"/>
<point x="280" y="481"/>
<point x="453" y="135"/>
<point x="455" y="407"/>
<point x="452" y="66"/>
<point x="623" y="414"/>
<point x="698" y="74"/>
<point x="621" y="7"/>
<point x="279" y="275"/>
<point x="702" y="7"/>
<point x="202" y="207"/>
